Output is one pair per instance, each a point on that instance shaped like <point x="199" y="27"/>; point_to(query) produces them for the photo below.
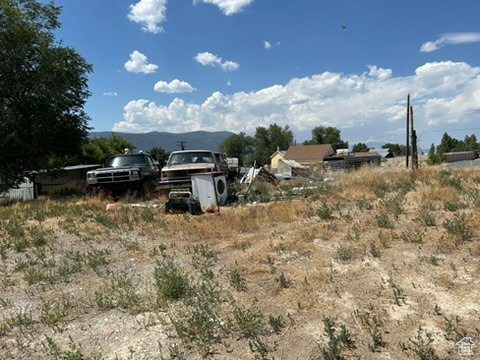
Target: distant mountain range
<point x="169" y="141"/>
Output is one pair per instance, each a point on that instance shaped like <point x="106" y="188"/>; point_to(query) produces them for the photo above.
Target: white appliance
<point x="210" y="190"/>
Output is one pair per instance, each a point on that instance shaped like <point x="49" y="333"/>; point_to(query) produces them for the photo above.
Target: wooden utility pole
<point x="407" y="147"/>
<point x="181" y="144"/>
<point x="414" y="142"/>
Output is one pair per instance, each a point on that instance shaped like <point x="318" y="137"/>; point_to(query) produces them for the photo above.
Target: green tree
<point x="160" y="154"/>
<point x="360" y="147"/>
<point x="43" y="89"/>
<point x="267" y="140"/>
<point x="327" y="135"/>
<point x="448" y="144"/>
<point x="471" y="143"/>
<point x="239" y="146"/>
<point x="397" y="149"/>
<point x="97" y="150"/>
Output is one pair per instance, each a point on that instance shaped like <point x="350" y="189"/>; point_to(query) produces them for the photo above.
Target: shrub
<point x="171" y="281"/>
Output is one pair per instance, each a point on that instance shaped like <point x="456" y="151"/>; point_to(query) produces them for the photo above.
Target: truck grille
<point x="113" y="176"/>
<point x="184" y="174"/>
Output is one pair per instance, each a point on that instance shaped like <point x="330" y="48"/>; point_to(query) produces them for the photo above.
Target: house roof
<point x="309" y="153"/>
<point x="382" y="152"/>
<point x="293" y="164"/>
<point x="280" y="152"/>
<point x="361" y="154"/>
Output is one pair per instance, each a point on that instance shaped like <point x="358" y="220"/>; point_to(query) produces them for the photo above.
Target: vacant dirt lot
<point x="378" y="264"/>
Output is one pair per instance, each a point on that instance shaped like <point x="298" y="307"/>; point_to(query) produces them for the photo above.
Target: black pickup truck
<point x="124" y="172"/>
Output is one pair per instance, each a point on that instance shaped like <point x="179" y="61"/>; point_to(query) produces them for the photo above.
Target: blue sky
<point x="187" y="65"/>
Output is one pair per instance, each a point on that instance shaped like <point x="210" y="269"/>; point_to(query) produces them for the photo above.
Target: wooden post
<point x="414" y="151"/>
<point x="412" y="146"/>
<point x="407" y="147"/>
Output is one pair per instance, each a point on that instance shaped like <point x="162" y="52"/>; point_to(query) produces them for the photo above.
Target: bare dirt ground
<point x="377" y="264"/>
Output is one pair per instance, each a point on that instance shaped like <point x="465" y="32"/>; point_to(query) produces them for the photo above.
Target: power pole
<point x="414" y="142"/>
<point x="407" y="147"/>
<point x="182" y="144"/>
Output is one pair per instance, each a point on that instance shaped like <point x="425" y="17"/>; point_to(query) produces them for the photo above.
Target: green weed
<point x="276" y="322"/>
<point x="336" y="343"/>
<point x="324" y="212"/>
<point x="58" y="311"/>
<point x="172" y="282"/>
<point x="373" y="323"/>
<point x="383" y="221"/>
<point x="344" y="253"/>
<point x="420" y="345"/>
<point x="398" y="293"/>
<point x="283" y="281"/>
<point x="426" y="218"/>
<point x="458" y="227"/>
<point x="237" y="281"/>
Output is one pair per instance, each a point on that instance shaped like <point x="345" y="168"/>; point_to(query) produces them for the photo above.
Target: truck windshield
<point x="190" y="158"/>
<point x="126" y="160"/>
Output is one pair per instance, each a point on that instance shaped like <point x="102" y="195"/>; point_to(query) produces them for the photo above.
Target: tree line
<point x="450" y="144"/>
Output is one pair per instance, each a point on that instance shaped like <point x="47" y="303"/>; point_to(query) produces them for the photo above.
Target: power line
<point x="383" y="137"/>
<point x="449" y="130"/>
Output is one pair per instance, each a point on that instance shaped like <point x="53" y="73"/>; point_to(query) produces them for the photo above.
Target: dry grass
<point x="385" y="258"/>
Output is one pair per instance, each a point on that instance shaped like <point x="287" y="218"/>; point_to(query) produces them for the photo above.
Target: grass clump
<point x="458" y="227"/>
<point x="237" y="281"/>
<point x="121" y="293"/>
<point x="383" y="221"/>
<point x="171" y="281"/>
<point x="337" y="341"/>
<point x="420" y="345"/>
<point x="426" y="218"/>
<point x="344" y="253"/>
<point x="372" y="321"/>
<point x="324" y="212"/>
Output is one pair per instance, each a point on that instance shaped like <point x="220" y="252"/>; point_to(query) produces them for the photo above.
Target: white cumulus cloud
<point x="360" y="105"/>
<point x="138" y="63"/>
<point x="150" y="14"/>
<point x="174" y="86"/>
<point x="229" y="7"/>
<point x="379" y="73"/>
<point x="110" y="93"/>
<point x="268" y="45"/>
<point x="450" y="39"/>
<point x="209" y="59"/>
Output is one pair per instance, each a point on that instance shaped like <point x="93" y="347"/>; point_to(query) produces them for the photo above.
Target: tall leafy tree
<point x="360" y="147"/>
<point x="239" y="146"/>
<point x="471" y="143"/>
<point x="267" y="140"/>
<point x="99" y="149"/>
<point x="43" y="89"/>
<point x="449" y="144"/>
<point x="327" y="135"/>
<point x="397" y="149"/>
<point x="160" y="154"/>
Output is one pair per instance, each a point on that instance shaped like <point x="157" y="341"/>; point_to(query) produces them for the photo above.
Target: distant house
<point x="275" y="158"/>
<point x="344" y="160"/>
<point x="385" y="153"/>
<point x="290" y="168"/>
<point x="308" y="155"/>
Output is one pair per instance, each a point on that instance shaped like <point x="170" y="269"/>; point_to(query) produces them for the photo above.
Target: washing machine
<point x="210" y="189"/>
